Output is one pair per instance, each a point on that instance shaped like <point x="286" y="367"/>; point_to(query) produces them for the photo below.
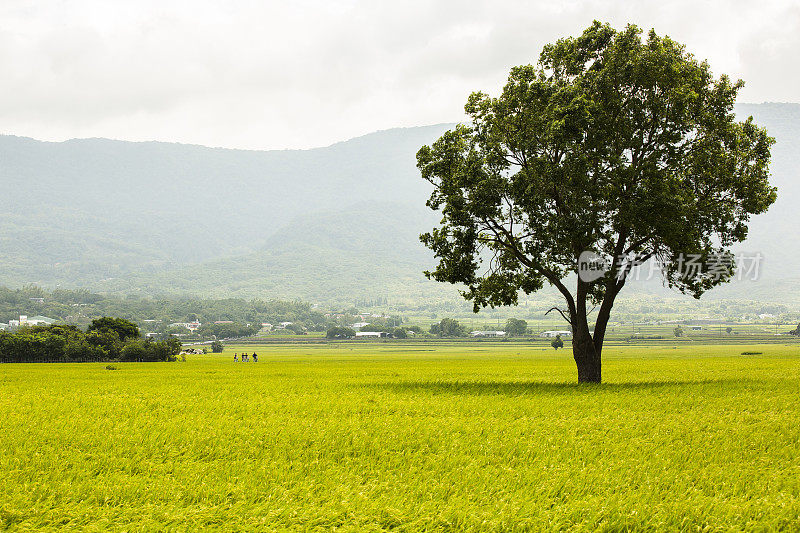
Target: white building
<point x="37" y="320"/>
<point x="488" y="333"/>
<point x="371" y="334"/>
<point x="191" y="326"/>
<point x="553" y="334"/>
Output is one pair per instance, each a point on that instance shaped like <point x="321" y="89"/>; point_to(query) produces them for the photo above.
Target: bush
<point x="217" y="347"/>
<point x="123" y="328"/>
<point x="516" y="327"/>
<point x="448" y="327"/>
<point x="339" y="332"/>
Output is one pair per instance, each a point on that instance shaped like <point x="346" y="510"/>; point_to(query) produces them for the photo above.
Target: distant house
<point x="371" y="334"/>
<point x="37" y="320"/>
<point x="696" y="328"/>
<point x="553" y="334"/>
<point x="488" y="333"/>
<point x="359" y="325"/>
<point x="224" y="322"/>
<point x="4" y="326"/>
<point x="191" y="326"/>
<point x="37" y="300"/>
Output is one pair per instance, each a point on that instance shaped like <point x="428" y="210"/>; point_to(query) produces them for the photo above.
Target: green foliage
<point x="125" y="329"/>
<point x="375" y="327"/>
<point x="399" y="333"/>
<point x="557" y="342"/>
<point x="149" y="351"/>
<point x="227" y="331"/>
<point x="217" y="347"/>
<point x="41" y="344"/>
<point x="297" y="328"/>
<point x="448" y="327"/>
<point x="340" y="332"/>
<point x="677" y="331"/>
<point x="516" y="327"/>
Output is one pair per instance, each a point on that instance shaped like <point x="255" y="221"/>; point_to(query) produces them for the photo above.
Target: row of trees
<point x="106" y="339"/>
<point x="76" y="306"/>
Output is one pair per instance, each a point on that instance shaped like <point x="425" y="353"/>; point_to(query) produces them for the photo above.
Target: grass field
<point x="407" y="437"/>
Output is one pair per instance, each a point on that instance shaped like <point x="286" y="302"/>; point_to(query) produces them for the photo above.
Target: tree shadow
<point x="515" y="388"/>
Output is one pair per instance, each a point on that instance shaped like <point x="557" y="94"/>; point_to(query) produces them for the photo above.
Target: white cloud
<point x="309" y="73"/>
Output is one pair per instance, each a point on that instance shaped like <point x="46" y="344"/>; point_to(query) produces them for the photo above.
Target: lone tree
<point x="557" y="343"/>
<point x="615" y="146"/>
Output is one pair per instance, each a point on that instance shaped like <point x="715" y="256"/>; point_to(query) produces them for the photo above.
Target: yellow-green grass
<point x="406" y="437"/>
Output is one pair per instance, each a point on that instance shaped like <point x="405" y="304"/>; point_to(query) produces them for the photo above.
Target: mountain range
<point x="331" y="225"/>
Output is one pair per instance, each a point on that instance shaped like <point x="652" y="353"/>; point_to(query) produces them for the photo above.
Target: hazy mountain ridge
<point x="328" y="224"/>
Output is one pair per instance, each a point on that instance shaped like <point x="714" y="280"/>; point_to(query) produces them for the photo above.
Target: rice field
<point x="408" y="437"/>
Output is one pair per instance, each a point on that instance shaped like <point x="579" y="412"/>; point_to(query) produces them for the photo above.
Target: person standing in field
<point x="244" y="357"/>
<point x="255" y="357"/>
<point x="235" y="357"/>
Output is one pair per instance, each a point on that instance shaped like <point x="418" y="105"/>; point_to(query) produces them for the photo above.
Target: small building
<point x="488" y="333"/>
<point x="554" y="333"/>
<point x="359" y="325"/>
<point x="4" y="326"/>
<point x="696" y="328"/>
<point x="37" y="320"/>
<point x="370" y="334"/>
<point x="191" y="326"/>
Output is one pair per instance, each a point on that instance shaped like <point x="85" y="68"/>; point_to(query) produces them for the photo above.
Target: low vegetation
<point x="406" y="437"/>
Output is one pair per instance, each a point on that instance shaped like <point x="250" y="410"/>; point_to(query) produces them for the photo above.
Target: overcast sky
<point x="264" y="75"/>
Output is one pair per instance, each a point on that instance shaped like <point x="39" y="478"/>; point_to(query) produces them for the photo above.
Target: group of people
<point x="245" y="357"/>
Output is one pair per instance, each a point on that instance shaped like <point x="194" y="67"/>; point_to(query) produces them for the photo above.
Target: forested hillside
<point x="335" y="224"/>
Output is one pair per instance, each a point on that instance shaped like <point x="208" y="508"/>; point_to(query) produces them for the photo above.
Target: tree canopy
<point x="516" y="326"/>
<point x="614" y="145"/>
<point x="124" y="328"/>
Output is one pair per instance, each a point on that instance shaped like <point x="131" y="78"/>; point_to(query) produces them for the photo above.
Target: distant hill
<point x="334" y="224"/>
<point x="83" y="211"/>
<point x="362" y="252"/>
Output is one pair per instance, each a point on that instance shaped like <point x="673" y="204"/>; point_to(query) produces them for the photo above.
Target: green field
<point x="483" y="437"/>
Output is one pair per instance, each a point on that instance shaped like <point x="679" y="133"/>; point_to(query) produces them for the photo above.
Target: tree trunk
<point x="587" y="357"/>
<point x="586" y="354"/>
